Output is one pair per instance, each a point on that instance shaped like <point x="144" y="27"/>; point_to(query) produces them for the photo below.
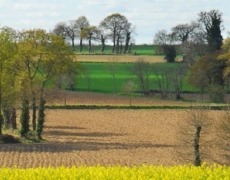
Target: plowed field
<point x="109" y="137"/>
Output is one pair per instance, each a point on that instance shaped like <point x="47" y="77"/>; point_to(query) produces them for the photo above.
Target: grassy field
<point x="101" y="79"/>
<point x="143" y="49"/>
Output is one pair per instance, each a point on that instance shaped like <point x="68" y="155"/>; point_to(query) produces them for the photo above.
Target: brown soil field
<point x="90" y="98"/>
<point x="112" y="137"/>
<point x="118" y="58"/>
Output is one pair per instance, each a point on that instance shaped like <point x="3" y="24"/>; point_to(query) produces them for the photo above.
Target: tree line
<point x="29" y="60"/>
<point x="114" y="27"/>
<point x="201" y="45"/>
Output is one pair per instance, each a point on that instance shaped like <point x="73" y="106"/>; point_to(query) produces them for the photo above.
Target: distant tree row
<point x="114" y="27"/>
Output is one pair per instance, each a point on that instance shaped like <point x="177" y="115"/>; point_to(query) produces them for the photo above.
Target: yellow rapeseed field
<point x="119" y="172"/>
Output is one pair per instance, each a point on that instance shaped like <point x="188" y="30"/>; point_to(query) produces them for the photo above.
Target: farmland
<point x="147" y="50"/>
<point x="94" y="126"/>
<point x="101" y="79"/>
<point x="110" y="137"/>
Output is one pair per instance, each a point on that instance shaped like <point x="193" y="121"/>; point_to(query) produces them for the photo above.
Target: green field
<point x="101" y="79"/>
<point x="143" y="49"/>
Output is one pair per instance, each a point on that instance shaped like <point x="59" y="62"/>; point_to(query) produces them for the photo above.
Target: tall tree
<point x="142" y="71"/>
<point x="55" y="61"/>
<point x="102" y="35"/>
<point x="91" y="34"/>
<point x="182" y="32"/>
<point x="81" y="24"/>
<point x="7" y="57"/>
<point x="128" y="31"/>
<point x="164" y="40"/>
<point x="225" y="56"/>
<point x="210" y="23"/>
<point x="30" y="53"/>
<point x="61" y="29"/>
<point x="115" y="25"/>
<point x="67" y="31"/>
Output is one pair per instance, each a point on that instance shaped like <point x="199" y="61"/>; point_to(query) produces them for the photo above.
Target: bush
<point x="216" y="93"/>
<point x="170" y="53"/>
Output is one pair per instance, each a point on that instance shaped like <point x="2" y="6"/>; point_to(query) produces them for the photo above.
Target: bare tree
<point x="112" y="68"/>
<point x="163" y="81"/>
<point x="192" y="135"/>
<point x="91" y="34"/>
<point x="177" y="79"/>
<point x="142" y="71"/>
<point x="128" y="31"/>
<point x="164" y="41"/>
<point x="66" y="31"/>
<point x="129" y="87"/>
<point x="115" y="25"/>
<point x="224" y="135"/>
<point x="60" y="30"/>
<point x="81" y="24"/>
<point x="102" y="36"/>
<point x="181" y="33"/>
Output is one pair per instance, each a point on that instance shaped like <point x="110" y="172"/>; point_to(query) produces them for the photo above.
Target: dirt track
<point x="106" y="137"/>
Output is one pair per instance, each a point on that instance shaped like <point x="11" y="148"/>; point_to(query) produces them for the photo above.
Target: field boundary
<point x="208" y="107"/>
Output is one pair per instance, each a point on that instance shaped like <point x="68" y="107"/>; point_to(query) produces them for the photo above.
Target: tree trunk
<point x="197" y="160"/>
<point x="41" y="117"/>
<point x="118" y="45"/>
<point x="73" y="48"/>
<point x="130" y="48"/>
<point x="24" y="119"/>
<point x="7" y="117"/>
<point x="102" y="43"/>
<point x="178" y="97"/>
<point x="1" y="122"/>
<point x="90" y="45"/>
<point x="127" y="42"/>
<point x="13" y="119"/>
<point x="114" y="40"/>
<point x="34" y="111"/>
<point x="80" y="44"/>
<point x="121" y="48"/>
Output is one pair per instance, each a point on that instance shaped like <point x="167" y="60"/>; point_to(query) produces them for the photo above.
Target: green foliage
<point x="212" y="22"/>
<point x="207" y="74"/>
<point x="170" y="53"/>
<point x="216" y="93"/>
